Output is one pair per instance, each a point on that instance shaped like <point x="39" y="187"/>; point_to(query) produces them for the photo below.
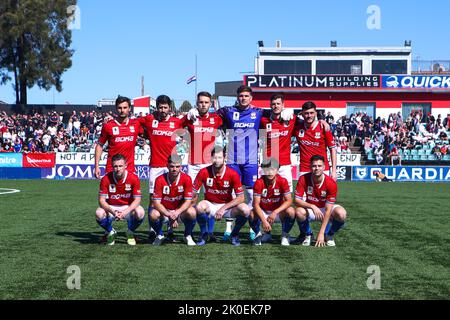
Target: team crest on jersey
<point x="301" y="133"/>
<point x="236" y="116"/>
<point x="209" y="182"/>
<point x="253" y="115"/>
<point x="317" y="135"/>
<point x="276" y="192"/>
<point x="172" y="125"/>
<point x="226" y="184"/>
<point x="115" y="131"/>
<point x="264" y="193"/>
<point x="180" y="189"/>
<point x="127" y="187"/>
<point x="310" y="190"/>
<point x="132" y="129"/>
<point x="166" y="190"/>
<point x="212" y="121"/>
<point x="323" y="194"/>
<point x="269" y="127"/>
<point x="155" y="124"/>
<point x="112" y="188"/>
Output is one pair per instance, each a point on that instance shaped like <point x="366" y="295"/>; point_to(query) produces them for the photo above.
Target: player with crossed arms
<point x="119" y="199"/>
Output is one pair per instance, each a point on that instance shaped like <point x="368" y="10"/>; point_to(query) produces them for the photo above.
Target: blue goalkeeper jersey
<point x="242" y="132"/>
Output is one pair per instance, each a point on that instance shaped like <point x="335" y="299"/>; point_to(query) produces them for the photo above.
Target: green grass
<point x="401" y="227"/>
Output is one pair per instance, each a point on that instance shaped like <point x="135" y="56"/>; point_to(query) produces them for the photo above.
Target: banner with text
<point x="11" y="160"/>
<point x="403" y="173"/>
<point x="39" y="160"/>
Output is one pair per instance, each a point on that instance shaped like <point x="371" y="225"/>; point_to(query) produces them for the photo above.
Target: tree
<point x="185" y="106"/>
<point x="34" y="44"/>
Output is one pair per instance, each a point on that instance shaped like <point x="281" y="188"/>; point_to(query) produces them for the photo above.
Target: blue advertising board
<point x="20" y="173"/>
<point x="86" y="172"/>
<point x="415" y="82"/>
<point x="11" y="160"/>
<point x="403" y="173"/>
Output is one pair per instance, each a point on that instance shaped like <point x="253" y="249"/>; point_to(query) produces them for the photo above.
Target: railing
<point x="430" y="66"/>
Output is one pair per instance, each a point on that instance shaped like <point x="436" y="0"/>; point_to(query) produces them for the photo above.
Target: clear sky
<point x="120" y="41"/>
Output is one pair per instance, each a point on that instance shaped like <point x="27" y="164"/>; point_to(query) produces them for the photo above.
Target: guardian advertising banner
<point x="410" y="173"/>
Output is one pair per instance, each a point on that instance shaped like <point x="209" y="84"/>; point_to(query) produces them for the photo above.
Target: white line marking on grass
<point x="8" y="191"/>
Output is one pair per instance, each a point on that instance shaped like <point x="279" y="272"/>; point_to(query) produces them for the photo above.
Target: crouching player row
<point x="315" y="200"/>
<point x="173" y="201"/>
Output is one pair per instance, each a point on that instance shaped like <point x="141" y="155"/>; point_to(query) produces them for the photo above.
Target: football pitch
<point x="402" y="228"/>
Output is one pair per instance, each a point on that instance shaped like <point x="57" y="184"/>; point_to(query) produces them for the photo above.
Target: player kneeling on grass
<point x="272" y="202"/>
<point x="315" y="198"/>
<point x="219" y="182"/>
<point x="119" y="199"/>
<point x="172" y="202"/>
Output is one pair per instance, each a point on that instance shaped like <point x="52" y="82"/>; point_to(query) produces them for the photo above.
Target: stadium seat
<point x="421" y="152"/>
<point x="414" y="152"/>
<point x="446" y="157"/>
<point x="407" y="152"/>
<point x="416" y="157"/>
<point x="426" y="147"/>
<point x="432" y="157"/>
<point x="370" y="156"/>
<point x="423" y="157"/>
<point x="428" y="152"/>
<point x="406" y="157"/>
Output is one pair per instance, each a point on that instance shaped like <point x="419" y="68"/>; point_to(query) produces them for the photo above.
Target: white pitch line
<point x="8" y="191"/>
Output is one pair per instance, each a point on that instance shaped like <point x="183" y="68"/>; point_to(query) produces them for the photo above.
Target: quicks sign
<point x="312" y="81"/>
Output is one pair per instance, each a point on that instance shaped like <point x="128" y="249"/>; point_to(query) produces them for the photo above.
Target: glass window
<point x="409" y="109"/>
<point x="389" y="66"/>
<point x="338" y="66"/>
<point x="287" y="67"/>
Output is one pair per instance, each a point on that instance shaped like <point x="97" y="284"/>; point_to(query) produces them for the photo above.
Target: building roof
<point x="335" y="50"/>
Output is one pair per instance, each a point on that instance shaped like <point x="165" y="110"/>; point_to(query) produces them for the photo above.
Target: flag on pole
<point x="191" y="79"/>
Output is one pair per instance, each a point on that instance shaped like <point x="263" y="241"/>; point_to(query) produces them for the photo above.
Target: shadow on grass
<point x="142" y="237"/>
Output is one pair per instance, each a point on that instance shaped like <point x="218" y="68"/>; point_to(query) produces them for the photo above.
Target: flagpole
<point x="196" y="78"/>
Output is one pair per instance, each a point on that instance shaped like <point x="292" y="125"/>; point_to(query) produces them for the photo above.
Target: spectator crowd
<point x="384" y="140"/>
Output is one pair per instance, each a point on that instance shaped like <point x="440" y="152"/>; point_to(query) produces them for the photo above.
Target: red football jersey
<point x="121" y="138"/>
<point x="312" y="141"/>
<point x="172" y="194"/>
<point x="202" y="133"/>
<point x="279" y="135"/>
<point x="218" y="189"/>
<point x="319" y="195"/>
<point x="122" y="192"/>
<point x="162" y="138"/>
<point x="272" y="195"/>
